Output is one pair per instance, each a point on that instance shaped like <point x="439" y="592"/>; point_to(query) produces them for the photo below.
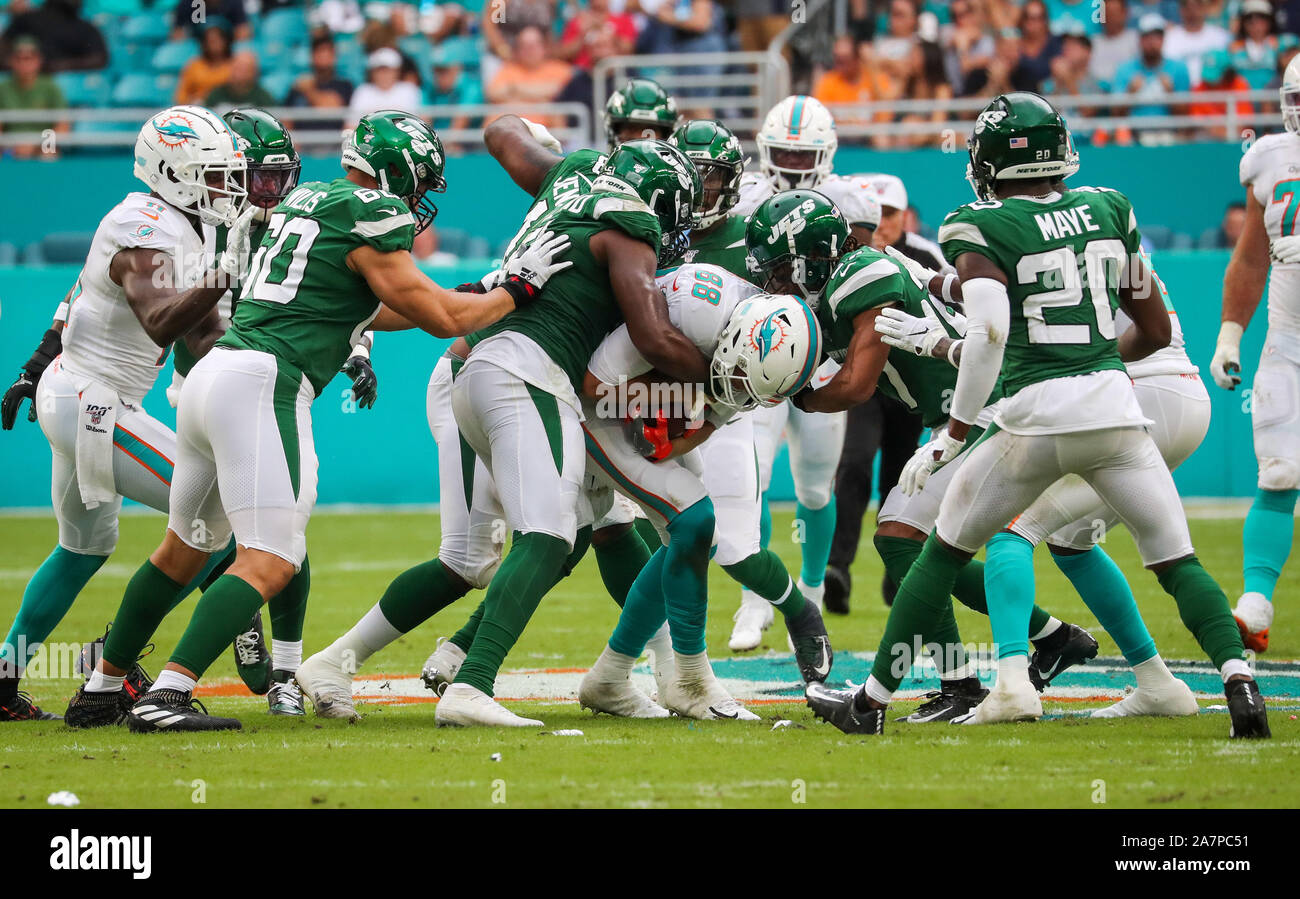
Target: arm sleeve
<point x="616" y="358"/>
<point x="988" y="312"/>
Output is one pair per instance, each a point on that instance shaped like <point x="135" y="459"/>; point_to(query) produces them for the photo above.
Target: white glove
<point x="533" y="263"/>
<point x="1225" y="367"/>
<point x="920" y="274"/>
<point x="941" y="449"/>
<point x="235" y="257"/>
<point x="1287" y="249"/>
<point x="916" y="335"/>
<point x="543" y="136"/>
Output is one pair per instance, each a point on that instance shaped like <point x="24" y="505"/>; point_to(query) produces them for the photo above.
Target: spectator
<point x="323" y="88"/>
<point x="67" y="42"/>
<point x="1072" y="70"/>
<point x="1190" y="41"/>
<point x="580" y="88"/>
<point x="596" y="24"/>
<point x="190" y="18"/>
<point x="1255" y="51"/>
<point x="688" y="26"/>
<point x="384" y="87"/>
<point x="850" y="80"/>
<point x="501" y="23"/>
<point x="997" y="77"/>
<point x="893" y="50"/>
<point x="530" y="76"/>
<point x="1117" y="43"/>
<point x="451" y="88"/>
<point x="1038" y="47"/>
<point x="758" y="22"/>
<point x="29" y="89"/>
<point x="1217" y="74"/>
<point x="1073" y="17"/>
<point x="927" y="82"/>
<point x="1234" y="220"/>
<point x="1151" y="76"/>
<point x="211" y="68"/>
<point x="338" y="16"/>
<point x="242" y="88"/>
<point x="968" y="45"/>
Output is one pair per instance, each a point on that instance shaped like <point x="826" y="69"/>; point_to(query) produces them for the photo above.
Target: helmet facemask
<point x="721" y="190"/>
<point x="792" y="167"/>
<point x="270" y="182"/>
<point x="1289" y="94"/>
<point x="220" y="191"/>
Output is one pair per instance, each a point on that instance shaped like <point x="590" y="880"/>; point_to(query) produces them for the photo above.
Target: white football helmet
<point x="767" y="352"/>
<point x="856" y="198"/>
<point x="797" y="142"/>
<point x="177" y="154"/>
<point x="1290" y="96"/>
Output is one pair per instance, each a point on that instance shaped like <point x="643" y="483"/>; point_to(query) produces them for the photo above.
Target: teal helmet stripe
<point x="796" y="115"/>
<point x="814" y="351"/>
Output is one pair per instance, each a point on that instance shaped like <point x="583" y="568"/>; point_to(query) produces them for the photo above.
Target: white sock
<point x="1152" y="674"/>
<point x="1053" y="624"/>
<point x="813" y="594"/>
<point x="174" y="680"/>
<point x="661" y="646"/>
<point x="612" y="666"/>
<point x="1234" y="667"/>
<point x="877" y="691"/>
<point x="693" y="667"/>
<point x="286" y="655"/>
<point x="369" y="635"/>
<point x="1013" y="672"/>
<point x="104" y="683"/>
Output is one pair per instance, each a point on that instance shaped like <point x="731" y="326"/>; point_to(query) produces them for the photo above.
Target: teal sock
<point x="818" y="529"/>
<point x="49" y="595"/>
<point x="1107" y="594"/>
<point x="222" y="612"/>
<point x="1266" y="539"/>
<point x="685" y="576"/>
<point x="764" y="521"/>
<point x="1009" y="591"/>
<point x="643" y="612"/>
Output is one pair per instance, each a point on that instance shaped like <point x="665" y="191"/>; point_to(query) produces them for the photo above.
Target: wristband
<point x="61" y="314"/>
<point x="520" y="290"/>
<point x="1230" y="334"/>
<point x="360" y="350"/>
<point x="948" y="282"/>
<point x="952" y="353"/>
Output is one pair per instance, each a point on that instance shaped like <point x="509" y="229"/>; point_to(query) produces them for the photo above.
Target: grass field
<point x="395" y="757"/>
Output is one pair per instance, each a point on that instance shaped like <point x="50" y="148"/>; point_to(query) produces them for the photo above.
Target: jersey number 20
<point x="1061" y="267"/>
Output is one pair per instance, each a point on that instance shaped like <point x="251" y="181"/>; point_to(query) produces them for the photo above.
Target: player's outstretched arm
<point x="517" y="148"/>
<point x="631" y="266"/>
<point x="855" y="382"/>
<point x="24" y="386"/>
<point x="148" y="280"/>
<point x="403" y="288"/>
<point x="1141" y="299"/>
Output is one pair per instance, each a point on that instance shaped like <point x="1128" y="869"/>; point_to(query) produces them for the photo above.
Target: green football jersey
<point x="723" y="247"/>
<point x="867" y="279"/>
<point x="300" y="301"/>
<point x="576" y="309"/>
<point x="1063" y="257"/>
<point x="570" y="177"/>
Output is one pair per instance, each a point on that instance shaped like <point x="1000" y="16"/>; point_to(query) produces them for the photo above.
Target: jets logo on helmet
<point x="1019" y="136"/>
<point x="989" y="117"/>
<point x="794" y="240"/>
<point x="404" y="156"/>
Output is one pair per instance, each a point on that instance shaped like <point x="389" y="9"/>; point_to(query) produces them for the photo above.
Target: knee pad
<point x="1276" y="474"/>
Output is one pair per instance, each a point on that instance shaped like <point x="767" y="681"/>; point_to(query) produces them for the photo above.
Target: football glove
<point x="527" y="272"/>
<point x="25" y="387"/>
<point x="908" y="332"/>
<point x="234" y="259"/>
<point x="365" y="384"/>
<point x="1225" y="367"/>
<point x="941" y="449"/>
<point x="920" y="274"/>
<point x="543" y="136"/>
<point x="649" y="436"/>
<point x="1287" y="249"/>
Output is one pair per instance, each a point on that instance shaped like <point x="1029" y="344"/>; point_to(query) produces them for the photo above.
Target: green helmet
<point x="404" y="155"/>
<point x="273" y="163"/>
<point x="665" y="180"/>
<point x="640" y="102"/>
<point x="718" y="158"/>
<point x="794" y="240"/>
<point x="1019" y="136"/>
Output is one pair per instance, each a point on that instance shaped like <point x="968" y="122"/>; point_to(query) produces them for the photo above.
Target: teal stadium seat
<point x="286" y="25"/>
<point x="279" y="83"/>
<point x="146" y="28"/>
<point x="128" y="59"/>
<point x="140" y="89"/>
<point x="95" y="8"/>
<point x="84" y="88"/>
<point x="66" y="247"/>
<point x="172" y="56"/>
<point x="8" y="254"/>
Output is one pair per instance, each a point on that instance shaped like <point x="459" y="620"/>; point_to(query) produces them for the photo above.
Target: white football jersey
<point x="1173" y="359"/>
<point x="1271" y="169"/>
<point x="754" y="188"/>
<point x="103" y="339"/>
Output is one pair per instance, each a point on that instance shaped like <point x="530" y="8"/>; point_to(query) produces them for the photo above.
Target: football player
<point x="335" y="259"/>
<point x="1269" y="237"/>
<point x="639" y="110"/>
<point x="1069" y="409"/>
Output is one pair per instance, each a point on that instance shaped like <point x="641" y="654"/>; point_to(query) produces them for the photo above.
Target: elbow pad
<point x="988" y="316"/>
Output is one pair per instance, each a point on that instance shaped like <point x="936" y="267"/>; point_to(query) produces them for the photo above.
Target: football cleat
<point x="1246" y="707"/>
<point x="440" y="669"/>
<point x="1254" y="615"/>
<point x="1067" y="646"/>
<point x="252" y="660"/>
<point x="839" y="584"/>
<point x="21" y="708"/>
<point x="952" y="700"/>
<point x="812" y="647"/>
<point x="704" y="700"/>
<point x="1172" y="699"/>
<point x="1005" y="703"/>
<point x="160" y="711"/>
<point x="137" y="681"/>
<point x="463" y="705"/>
<point x="327" y="685"/>
<point x="285" y="698"/>
<point x="752" y="618"/>
<point x="618" y="698"/>
<point x="840" y="708"/>
<point x="86" y="710"/>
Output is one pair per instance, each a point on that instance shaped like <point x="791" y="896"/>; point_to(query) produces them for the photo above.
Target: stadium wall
<point x="385" y="454"/>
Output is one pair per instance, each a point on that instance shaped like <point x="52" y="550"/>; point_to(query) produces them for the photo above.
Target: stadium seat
<point x="172" y="56"/>
<point x="155" y="91"/>
<point x="279" y="83"/>
<point x="84" y="88"/>
<point x="274" y="54"/>
<point x="1158" y="236"/>
<point x="1181" y="241"/>
<point x="1209" y="239"/>
<point x="112" y="8"/>
<point x="146" y="28"/>
<point x="131" y="58"/>
<point x="66" y="247"/>
<point x="8" y="254"/>
<point x="287" y="25"/>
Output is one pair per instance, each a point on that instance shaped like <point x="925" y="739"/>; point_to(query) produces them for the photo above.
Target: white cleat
<point x="1254" y="611"/>
<point x="327" y="685"/>
<point x="752" y="618"/>
<point x="1006" y="703"/>
<point x="705" y="700"/>
<point x="440" y="669"/>
<point x="618" y="698"/>
<point x="1173" y="700"/>
<point x="464" y="706"/>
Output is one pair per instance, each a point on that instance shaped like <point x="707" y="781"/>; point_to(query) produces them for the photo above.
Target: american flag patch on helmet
<point x="1018" y="143"/>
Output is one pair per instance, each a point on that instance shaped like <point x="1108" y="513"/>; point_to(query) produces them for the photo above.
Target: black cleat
<point x="137" y="681"/>
<point x="86" y="710"/>
<point x="159" y="711"/>
<point x="812" y="648"/>
<point x="839" y="707"/>
<point x="1246" y="708"/>
<point x="20" y="707"/>
<point x="952" y="700"/>
<point x="1067" y="646"/>
<point x="888" y="590"/>
<point x="839" y="584"/>
<point x="252" y="660"/>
